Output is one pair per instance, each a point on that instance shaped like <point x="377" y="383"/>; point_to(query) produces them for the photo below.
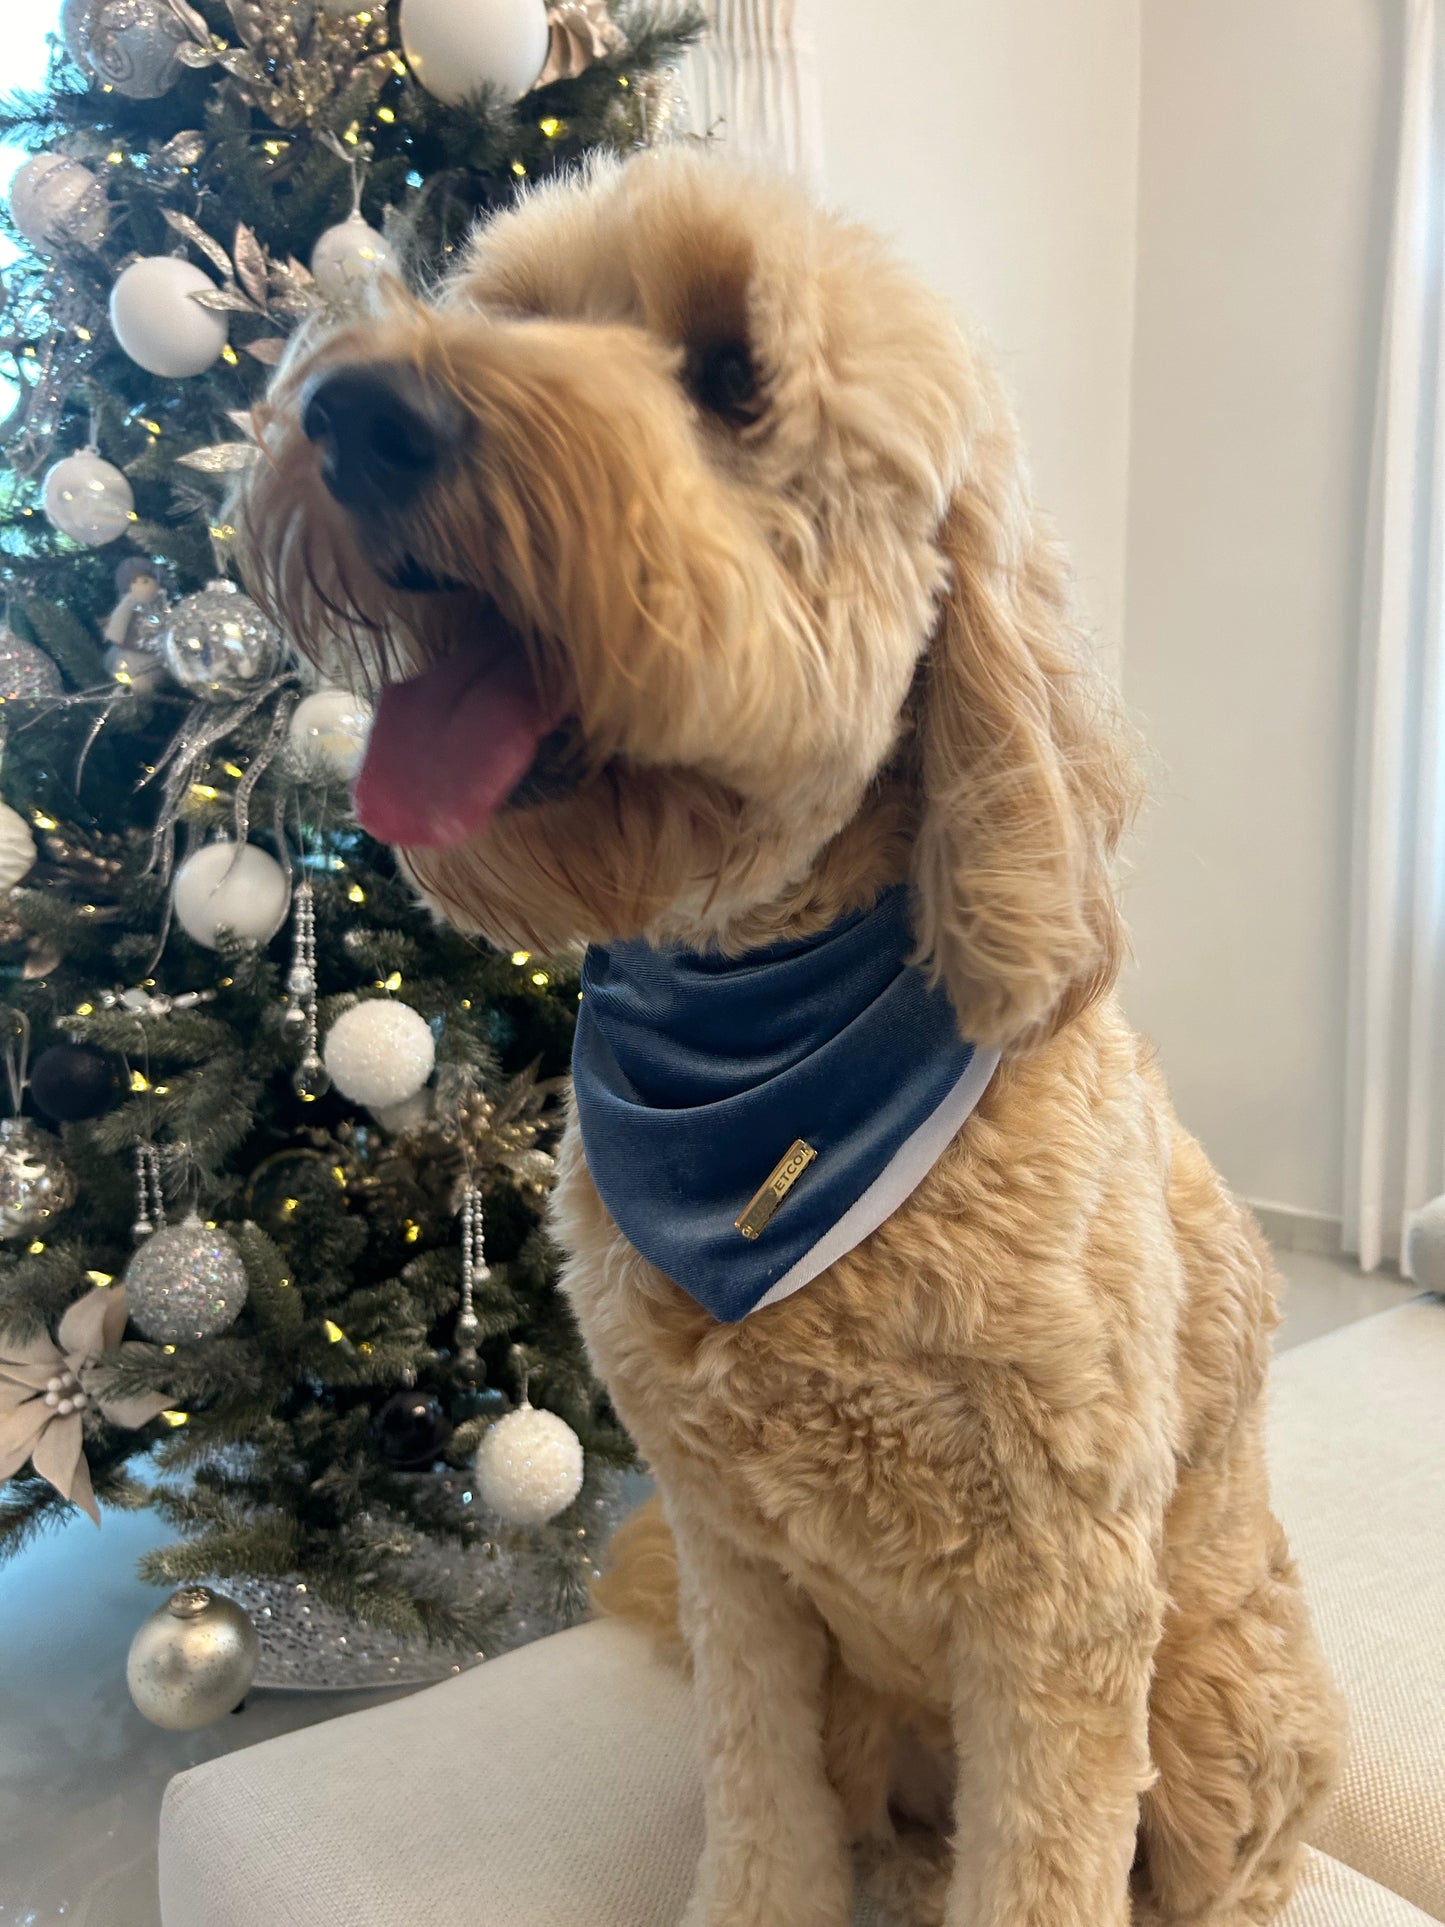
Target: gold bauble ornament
<point x="192" y="1660"/>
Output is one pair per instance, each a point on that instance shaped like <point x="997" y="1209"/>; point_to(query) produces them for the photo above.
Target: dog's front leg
<point x="776" y="1850"/>
<point x="1052" y="1732"/>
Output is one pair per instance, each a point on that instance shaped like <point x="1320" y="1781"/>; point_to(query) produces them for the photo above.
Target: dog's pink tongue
<point x="447" y="749"/>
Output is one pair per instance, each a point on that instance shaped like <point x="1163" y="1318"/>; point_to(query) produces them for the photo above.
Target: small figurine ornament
<point x="137" y="619"/>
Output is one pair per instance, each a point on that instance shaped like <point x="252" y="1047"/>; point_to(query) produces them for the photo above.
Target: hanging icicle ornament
<point x="310" y="1079"/>
<point x="474" y="1273"/>
<point x="150" y="1197"/>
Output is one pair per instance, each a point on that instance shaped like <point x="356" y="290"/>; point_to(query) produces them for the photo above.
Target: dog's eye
<point x="726" y="382"/>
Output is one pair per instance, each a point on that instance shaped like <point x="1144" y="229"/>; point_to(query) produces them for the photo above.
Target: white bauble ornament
<point x="349" y="256"/>
<point x="193" y="1660"/>
<point x="57" y="203"/>
<point x="458" y="46"/>
<point x="156" y="320"/>
<point x="26" y="672"/>
<point x="529" y="1466"/>
<point x="1425" y="1246"/>
<point x="131" y="45"/>
<point x="87" y="498"/>
<point x="17" y="848"/>
<point x="217" y="643"/>
<point x="380" y="1052"/>
<point x="222" y="888"/>
<point x="328" y="733"/>
<point x="186" y="1282"/>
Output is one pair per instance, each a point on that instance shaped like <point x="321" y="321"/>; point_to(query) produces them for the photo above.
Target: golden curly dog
<point x="728" y="525"/>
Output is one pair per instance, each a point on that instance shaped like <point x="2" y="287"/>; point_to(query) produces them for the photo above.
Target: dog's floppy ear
<point x="1027" y="770"/>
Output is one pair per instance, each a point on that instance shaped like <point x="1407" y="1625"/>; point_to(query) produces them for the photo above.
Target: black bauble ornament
<point x="72" y="1081"/>
<point x="412" y="1429"/>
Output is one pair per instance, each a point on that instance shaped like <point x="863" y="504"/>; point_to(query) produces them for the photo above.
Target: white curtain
<point x="1395" y="1135"/>
<point x="753" y="84"/>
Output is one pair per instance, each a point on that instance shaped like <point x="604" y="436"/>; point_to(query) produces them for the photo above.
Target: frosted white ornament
<point x="456" y="47"/>
<point x="380" y="1052"/>
<point x="220" y="889"/>
<point x="87" y="498"/>
<point x="349" y="256"/>
<point x="529" y="1466"/>
<point x="56" y="202"/>
<point x="328" y="733"/>
<point x="158" y="323"/>
<point x="17" y="848"/>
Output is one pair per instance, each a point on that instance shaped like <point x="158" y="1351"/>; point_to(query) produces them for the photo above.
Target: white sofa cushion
<point x="556" y="1785"/>
<point x="1357" y="1455"/>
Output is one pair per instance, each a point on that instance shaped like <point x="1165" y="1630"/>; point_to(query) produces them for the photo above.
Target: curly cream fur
<point x="970" y="1540"/>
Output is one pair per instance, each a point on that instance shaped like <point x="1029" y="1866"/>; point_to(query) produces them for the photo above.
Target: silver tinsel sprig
<point x="297" y="63"/>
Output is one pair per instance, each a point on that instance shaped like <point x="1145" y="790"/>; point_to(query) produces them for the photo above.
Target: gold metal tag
<point x="785" y="1174"/>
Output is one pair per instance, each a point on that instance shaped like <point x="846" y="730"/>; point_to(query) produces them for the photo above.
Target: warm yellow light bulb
<point x="139" y="1082"/>
<point x="520" y="957"/>
<point x="333" y="1331"/>
<point x="356" y="894"/>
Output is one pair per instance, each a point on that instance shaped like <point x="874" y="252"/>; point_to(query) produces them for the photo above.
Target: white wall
<point x="1266" y="145"/>
<point x="997" y="141"/>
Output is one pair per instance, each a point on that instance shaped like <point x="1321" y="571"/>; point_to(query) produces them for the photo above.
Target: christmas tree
<point x="270" y="1196"/>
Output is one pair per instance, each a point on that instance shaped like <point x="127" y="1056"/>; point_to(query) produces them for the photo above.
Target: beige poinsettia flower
<point x="48" y="1385"/>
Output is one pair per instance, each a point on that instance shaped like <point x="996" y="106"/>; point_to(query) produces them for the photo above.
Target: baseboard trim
<point x="1290" y="1229"/>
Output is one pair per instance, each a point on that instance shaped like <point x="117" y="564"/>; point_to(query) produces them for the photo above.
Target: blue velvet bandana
<point x="749" y="1120"/>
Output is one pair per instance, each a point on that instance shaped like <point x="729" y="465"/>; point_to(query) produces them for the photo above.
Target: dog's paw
<point x="906" y="1877"/>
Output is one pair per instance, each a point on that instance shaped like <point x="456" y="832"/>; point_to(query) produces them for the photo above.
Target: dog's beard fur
<point x="732" y="617"/>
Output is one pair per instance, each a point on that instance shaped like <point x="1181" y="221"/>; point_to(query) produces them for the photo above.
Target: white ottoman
<point x="558" y="1786"/>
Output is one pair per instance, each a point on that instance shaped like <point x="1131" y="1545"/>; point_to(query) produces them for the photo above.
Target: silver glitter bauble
<point x="186" y="1282"/>
<point x="529" y="1466"/>
<point x="380" y="1052"/>
<point x="57" y="203"/>
<point x="193" y="1660"/>
<point x="35" y="1180"/>
<point x="26" y="672"/>
<point x="218" y="645"/>
<point x="17" y="848"/>
<point x="130" y="45"/>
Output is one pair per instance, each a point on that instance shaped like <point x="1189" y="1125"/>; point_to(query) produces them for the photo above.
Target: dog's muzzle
<point x="381" y="432"/>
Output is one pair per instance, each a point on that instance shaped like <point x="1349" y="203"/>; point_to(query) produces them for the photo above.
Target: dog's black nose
<point x="382" y="433"/>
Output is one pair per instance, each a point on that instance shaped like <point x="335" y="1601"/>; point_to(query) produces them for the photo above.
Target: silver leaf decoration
<point x="268" y="350"/>
<point x="198" y="238"/>
<point x="184" y="149"/>
<point x="241" y="418"/>
<point x="221" y="458"/>
<point x="191" y="55"/>
<point x="250" y="264"/>
<point x="226" y="301"/>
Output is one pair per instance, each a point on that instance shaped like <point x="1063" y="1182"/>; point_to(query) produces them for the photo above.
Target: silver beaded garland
<point x="218" y="645"/>
<point x="474" y="1273"/>
<point x="186" y="1282"/>
<point x="310" y="1079"/>
<point x="35" y="1180"/>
